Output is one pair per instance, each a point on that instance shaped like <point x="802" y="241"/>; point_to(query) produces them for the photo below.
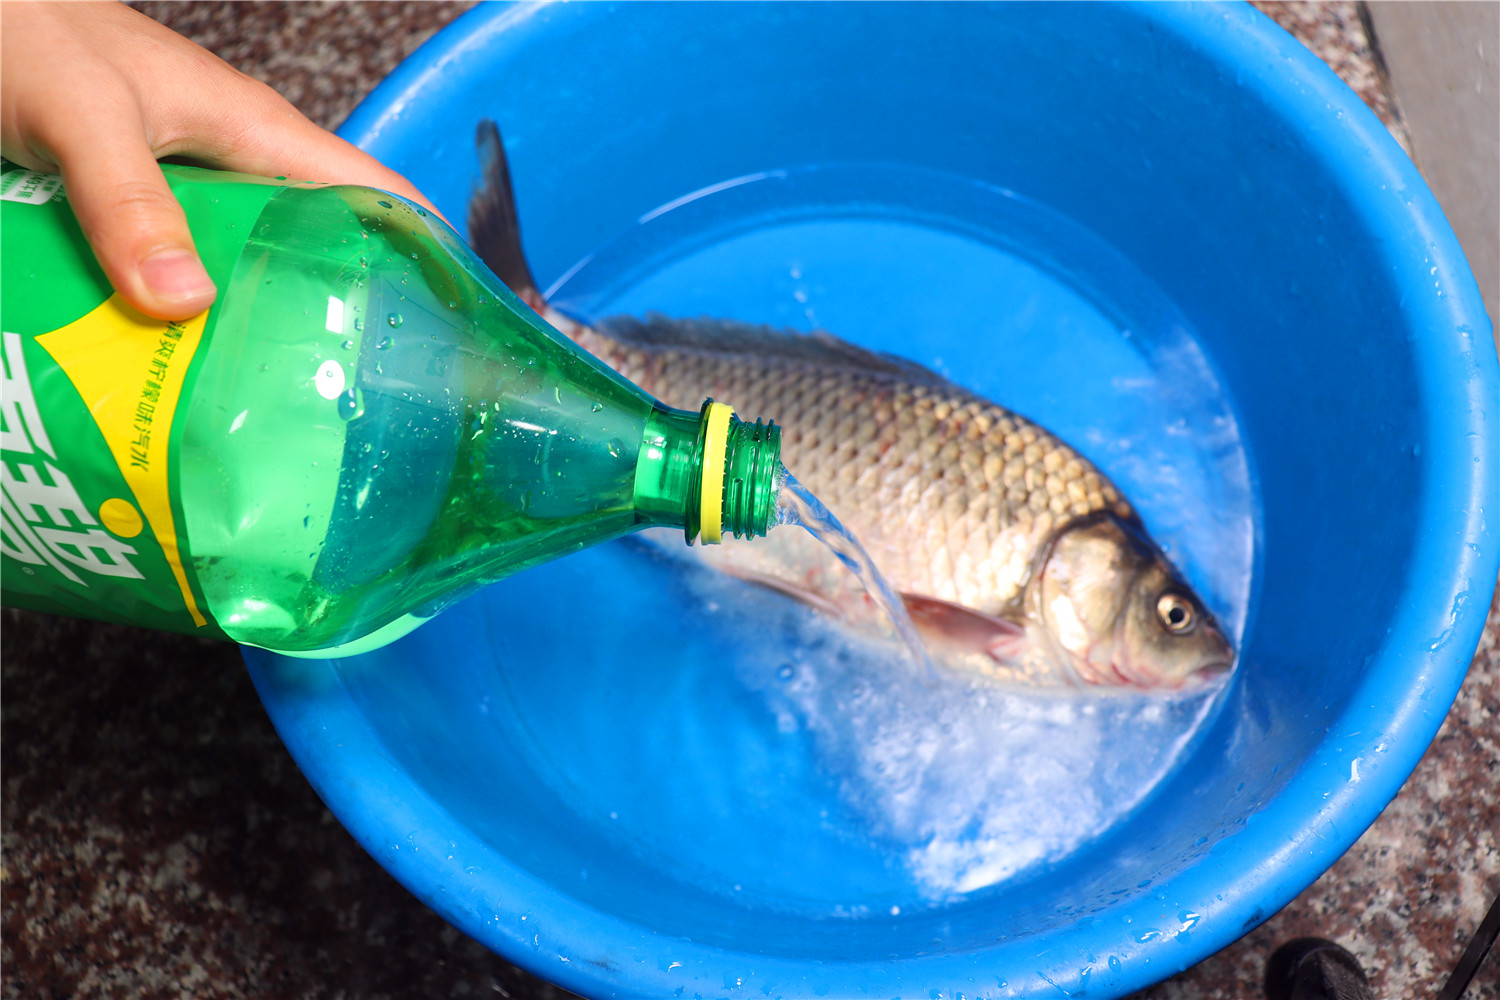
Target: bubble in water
<point x="394" y="319"/>
<point x="786" y="672"/>
<point x="384" y="204"/>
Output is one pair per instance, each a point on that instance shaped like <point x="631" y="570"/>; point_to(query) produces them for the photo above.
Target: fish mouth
<point x="1209" y="673"/>
<point x="1205" y="676"/>
<point x="1146" y="679"/>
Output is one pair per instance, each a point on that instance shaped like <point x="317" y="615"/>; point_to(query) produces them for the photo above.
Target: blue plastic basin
<point x="1048" y="202"/>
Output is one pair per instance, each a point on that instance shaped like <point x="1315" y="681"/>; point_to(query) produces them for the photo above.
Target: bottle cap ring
<point x="715" y="446"/>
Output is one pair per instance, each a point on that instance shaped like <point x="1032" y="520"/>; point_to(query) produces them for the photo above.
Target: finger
<point x="269" y="137"/>
<point x="130" y="217"/>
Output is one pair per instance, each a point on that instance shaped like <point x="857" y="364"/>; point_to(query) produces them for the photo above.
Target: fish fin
<point x="965" y="629"/>
<point x="805" y="595"/>
<point x="721" y="337"/>
<point x="494" y="227"/>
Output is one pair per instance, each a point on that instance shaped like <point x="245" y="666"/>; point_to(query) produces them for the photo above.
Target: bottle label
<point x="90" y="520"/>
<point x="29" y="187"/>
<point x="85" y="427"/>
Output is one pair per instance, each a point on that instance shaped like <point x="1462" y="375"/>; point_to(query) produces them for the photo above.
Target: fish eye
<point x="1175" y="612"/>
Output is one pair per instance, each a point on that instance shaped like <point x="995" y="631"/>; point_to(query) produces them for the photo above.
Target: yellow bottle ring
<point x="715" y="446"/>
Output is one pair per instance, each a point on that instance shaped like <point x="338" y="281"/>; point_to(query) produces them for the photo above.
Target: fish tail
<point x="494" y="228"/>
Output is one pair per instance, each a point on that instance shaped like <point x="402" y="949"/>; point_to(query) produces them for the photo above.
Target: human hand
<point x="97" y="92"/>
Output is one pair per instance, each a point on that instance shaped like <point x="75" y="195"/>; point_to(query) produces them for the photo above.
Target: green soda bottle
<point x="366" y="426"/>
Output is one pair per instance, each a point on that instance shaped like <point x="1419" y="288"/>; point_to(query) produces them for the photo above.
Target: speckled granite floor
<point x="159" y="842"/>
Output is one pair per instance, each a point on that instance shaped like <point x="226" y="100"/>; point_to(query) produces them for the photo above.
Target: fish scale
<point x="982" y="487"/>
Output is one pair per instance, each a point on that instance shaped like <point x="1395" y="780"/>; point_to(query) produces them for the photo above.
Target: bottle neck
<point x="709" y="472"/>
<point x="753" y="475"/>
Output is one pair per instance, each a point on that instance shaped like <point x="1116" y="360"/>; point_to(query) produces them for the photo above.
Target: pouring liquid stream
<point x="797" y="505"/>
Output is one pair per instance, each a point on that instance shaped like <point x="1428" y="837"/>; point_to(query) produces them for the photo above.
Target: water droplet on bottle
<point x="422" y="211"/>
<point x="386" y="343"/>
<point x="596" y="407"/>
<point x="394" y="319"/>
<point x="359" y="324"/>
<point x="348" y="345"/>
<point x="616" y="447"/>
<point x="383" y="204"/>
<point x="351" y="403"/>
<point x="364" y="262"/>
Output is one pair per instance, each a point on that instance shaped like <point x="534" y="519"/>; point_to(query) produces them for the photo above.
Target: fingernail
<point x="177" y="275"/>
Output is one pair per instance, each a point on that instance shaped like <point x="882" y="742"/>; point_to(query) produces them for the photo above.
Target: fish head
<point x="1116" y="612"/>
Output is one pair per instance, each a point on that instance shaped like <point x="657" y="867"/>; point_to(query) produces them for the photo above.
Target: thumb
<point x="136" y="227"/>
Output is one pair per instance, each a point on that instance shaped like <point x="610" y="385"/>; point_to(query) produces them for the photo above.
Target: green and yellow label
<point x="129" y="370"/>
<point x="88" y="526"/>
<point x="90" y="523"/>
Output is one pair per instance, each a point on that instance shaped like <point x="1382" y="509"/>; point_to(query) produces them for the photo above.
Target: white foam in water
<point x="973" y="782"/>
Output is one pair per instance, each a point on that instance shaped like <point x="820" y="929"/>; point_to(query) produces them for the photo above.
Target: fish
<point x="1017" y="558"/>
